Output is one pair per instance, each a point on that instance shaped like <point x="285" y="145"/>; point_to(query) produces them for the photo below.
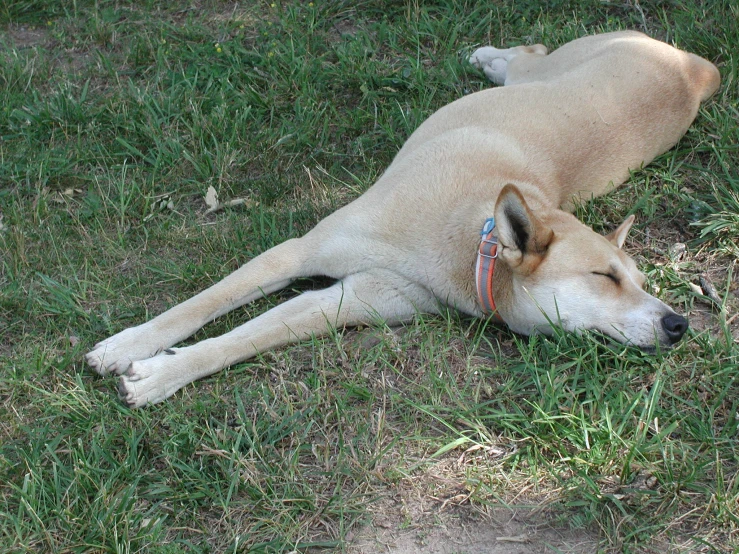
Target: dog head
<point x="565" y="274"/>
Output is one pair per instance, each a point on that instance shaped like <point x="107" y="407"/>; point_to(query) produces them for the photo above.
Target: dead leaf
<point x="211" y="200"/>
<point x="695" y="288"/>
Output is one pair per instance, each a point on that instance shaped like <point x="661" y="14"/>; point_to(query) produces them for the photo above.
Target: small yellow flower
<point x="270" y="54"/>
<point x="273" y="5"/>
<point x="49" y="23"/>
<point x="310" y="4"/>
<point x="219" y="50"/>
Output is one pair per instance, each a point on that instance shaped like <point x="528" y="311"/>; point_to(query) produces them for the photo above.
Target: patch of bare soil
<point x="433" y="511"/>
<point x="463" y="531"/>
<point x="27" y="37"/>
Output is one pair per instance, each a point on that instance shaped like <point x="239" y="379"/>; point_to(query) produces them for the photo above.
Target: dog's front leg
<point x="268" y="272"/>
<point x="360" y="298"/>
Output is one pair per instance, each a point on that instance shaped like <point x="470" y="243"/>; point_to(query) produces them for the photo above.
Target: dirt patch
<point x="27" y="37"/>
<point x="465" y="531"/>
<point x="69" y="60"/>
<point x="345" y="28"/>
<point x="435" y="509"/>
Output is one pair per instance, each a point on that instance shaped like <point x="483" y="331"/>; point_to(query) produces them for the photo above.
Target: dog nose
<point x="674" y="326"/>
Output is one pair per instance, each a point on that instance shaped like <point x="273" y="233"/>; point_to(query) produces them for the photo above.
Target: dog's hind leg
<point x="361" y="298"/>
<point x="494" y="61"/>
<point x="268" y="272"/>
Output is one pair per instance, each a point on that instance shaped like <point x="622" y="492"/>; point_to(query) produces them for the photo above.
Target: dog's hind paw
<point x="494" y="61"/>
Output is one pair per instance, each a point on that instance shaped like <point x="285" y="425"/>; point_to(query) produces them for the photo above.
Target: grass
<point x="116" y="117"/>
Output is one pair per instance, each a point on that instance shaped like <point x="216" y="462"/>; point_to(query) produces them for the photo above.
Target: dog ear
<point x="523" y="239"/>
<point x="618" y="237"/>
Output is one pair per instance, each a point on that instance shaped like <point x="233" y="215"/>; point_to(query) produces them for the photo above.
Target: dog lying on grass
<point x="473" y="213"/>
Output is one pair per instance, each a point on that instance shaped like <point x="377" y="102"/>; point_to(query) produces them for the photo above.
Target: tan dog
<point x="567" y="125"/>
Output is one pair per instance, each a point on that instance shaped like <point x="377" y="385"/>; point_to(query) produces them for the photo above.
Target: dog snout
<point x="674" y="327"/>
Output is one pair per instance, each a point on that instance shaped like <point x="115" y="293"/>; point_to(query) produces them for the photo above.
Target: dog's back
<point x="584" y="115"/>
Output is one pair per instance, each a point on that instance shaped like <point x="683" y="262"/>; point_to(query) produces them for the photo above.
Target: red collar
<point x="485" y="266"/>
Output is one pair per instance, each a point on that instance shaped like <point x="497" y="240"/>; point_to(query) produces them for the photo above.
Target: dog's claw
<point x="124" y="395"/>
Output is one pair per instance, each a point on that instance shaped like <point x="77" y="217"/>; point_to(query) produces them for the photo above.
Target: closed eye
<point x="611" y="276"/>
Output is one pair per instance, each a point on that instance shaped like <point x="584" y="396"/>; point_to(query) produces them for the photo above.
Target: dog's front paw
<point x="148" y="381"/>
<point x="115" y="354"/>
